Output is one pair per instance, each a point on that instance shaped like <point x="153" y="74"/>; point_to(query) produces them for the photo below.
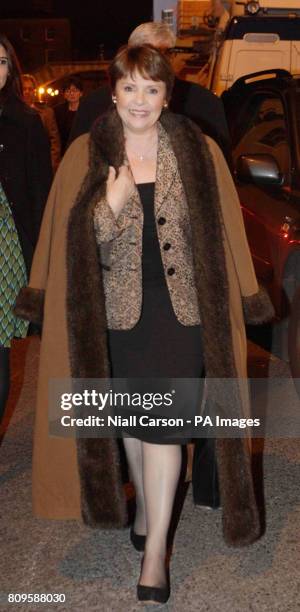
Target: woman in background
<point x="25" y="178"/>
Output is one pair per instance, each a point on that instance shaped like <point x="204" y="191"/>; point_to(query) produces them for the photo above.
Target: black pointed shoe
<point x="152" y="594"/>
<point x="138" y="541"/>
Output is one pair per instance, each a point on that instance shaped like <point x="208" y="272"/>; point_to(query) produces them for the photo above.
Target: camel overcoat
<point x="81" y="478"/>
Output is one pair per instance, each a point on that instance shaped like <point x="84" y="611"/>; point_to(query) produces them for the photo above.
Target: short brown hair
<point x="148" y="61"/>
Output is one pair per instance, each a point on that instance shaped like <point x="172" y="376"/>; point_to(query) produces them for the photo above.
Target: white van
<point x="264" y="7"/>
<point x="256" y="42"/>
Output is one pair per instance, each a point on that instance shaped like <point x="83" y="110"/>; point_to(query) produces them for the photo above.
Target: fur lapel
<point x="166" y="169"/>
<point x="98" y="459"/>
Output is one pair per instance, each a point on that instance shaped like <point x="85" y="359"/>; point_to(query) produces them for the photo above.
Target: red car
<point x="263" y="113"/>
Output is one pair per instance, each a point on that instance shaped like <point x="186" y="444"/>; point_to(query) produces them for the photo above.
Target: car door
<point x="261" y="128"/>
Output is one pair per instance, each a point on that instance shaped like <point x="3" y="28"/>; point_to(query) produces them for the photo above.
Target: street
<point x="97" y="570"/>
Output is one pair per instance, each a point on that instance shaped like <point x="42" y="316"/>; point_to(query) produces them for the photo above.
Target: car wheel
<point x="280" y="332"/>
<point x="294" y="338"/>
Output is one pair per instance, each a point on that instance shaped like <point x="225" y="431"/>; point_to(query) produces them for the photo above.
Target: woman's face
<point x="139" y="101"/>
<point x="3" y="66"/>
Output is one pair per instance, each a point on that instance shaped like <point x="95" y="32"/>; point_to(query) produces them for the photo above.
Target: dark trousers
<point x="205" y="474"/>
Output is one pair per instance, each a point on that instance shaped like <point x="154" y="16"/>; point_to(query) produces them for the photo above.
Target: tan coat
<point x="72" y="480"/>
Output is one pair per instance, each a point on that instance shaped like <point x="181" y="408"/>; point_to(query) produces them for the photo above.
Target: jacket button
<point x="171" y="271"/>
<point x="166" y="246"/>
<point x="161" y="221"/>
<point x="1" y="147"/>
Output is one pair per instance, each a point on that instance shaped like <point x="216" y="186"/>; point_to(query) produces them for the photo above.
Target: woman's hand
<point x="119" y="190"/>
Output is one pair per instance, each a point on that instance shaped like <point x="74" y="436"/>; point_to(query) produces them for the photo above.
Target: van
<point x="264" y="7"/>
<point x="255" y="42"/>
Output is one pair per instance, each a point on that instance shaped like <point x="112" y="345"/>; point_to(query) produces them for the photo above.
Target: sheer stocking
<point x="155" y="470"/>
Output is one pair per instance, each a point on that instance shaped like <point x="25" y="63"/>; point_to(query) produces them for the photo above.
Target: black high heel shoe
<point x="151" y="594"/>
<point x="138" y="541"/>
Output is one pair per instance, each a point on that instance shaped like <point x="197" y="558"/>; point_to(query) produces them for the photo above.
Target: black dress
<point x="159" y="346"/>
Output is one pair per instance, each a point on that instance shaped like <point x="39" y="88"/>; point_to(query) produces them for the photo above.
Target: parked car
<point x="263" y="112"/>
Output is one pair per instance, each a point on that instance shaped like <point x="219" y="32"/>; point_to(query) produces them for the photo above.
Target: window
<point x="50" y="33"/>
<point x="25" y="33"/>
<point x="262" y="129"/>
<point x="50" y="56"/>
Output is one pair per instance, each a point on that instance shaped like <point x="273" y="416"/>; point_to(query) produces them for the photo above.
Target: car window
<point x="285" y="27"/>
<point x="262" y="128"/>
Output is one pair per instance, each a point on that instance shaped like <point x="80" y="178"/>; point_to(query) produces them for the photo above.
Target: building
<point x="38" y="41"/>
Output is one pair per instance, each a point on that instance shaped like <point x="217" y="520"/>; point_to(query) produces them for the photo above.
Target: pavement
<point x="97" y="570"/>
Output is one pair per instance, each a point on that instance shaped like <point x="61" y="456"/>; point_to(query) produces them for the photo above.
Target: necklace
<point x="147" y="155"/>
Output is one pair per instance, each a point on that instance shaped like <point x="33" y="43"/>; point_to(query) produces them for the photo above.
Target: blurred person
<point x="25" y="177"/>
<point x="29" y="86"/>
<point x="189" y="99"/>
<point x="145" y="272"/>
<point x="65" y="113"/>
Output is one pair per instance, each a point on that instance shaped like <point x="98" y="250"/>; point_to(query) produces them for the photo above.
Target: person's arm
<point x="109" y="220"/>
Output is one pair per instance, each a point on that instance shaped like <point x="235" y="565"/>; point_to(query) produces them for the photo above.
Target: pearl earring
<point x="165" y="104"/>
<point x="114" y="99"/>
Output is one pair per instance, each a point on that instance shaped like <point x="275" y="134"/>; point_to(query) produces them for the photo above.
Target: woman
<point x="174" y="264"/>
<point x="25" y="176"/>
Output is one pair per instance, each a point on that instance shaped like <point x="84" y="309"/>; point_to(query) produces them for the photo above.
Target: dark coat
<point x="25" y="170"/>
<point x="66" y="290"/>
<point x="64" y="119"/>
<point x="188" y="99"/>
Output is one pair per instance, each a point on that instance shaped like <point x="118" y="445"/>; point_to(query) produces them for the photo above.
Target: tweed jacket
<point x="120" y="243"/>
<point x="82" y="477"/>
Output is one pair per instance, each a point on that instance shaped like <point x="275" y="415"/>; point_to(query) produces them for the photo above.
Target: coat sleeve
<point x="39" y="169"/>
<point x="107" y="226"/>
<point x="256" y="302"/>
<point x="30" y="301"/>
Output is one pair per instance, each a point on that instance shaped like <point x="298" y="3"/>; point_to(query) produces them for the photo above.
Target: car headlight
<point x="252" y="7"/>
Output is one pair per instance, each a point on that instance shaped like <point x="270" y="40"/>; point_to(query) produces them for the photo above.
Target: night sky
<point x="108" y="22"/>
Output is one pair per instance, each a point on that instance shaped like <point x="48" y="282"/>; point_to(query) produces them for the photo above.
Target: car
<point x="263" y="113"/>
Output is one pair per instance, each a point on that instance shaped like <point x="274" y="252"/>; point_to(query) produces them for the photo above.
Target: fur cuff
<point x="258" y="308"/>
<point x="30" y="305"/>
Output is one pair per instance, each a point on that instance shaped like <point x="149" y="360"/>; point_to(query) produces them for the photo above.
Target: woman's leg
<point x="133" y="449"/>
<point x="161" y="470"/>
<point x="4" y="378"/>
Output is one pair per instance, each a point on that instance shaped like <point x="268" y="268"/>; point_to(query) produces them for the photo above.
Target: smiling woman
<point x="142" y="83"/>
<point x="144" y="267"/>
